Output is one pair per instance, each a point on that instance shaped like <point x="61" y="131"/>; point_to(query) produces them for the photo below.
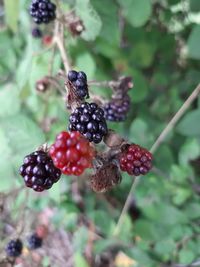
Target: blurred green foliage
<point x="157" y="43"/>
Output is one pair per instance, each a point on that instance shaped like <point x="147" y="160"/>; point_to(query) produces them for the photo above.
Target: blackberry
<point x="34" y="241"/>
<point x="14" y="248"/>
<point x="42" y="11"/>
<point x="39" y="172"/>
<point x="36" y="33"/>
<point x="88" y="119"/>
<point x="117" y="109"/>
<point x="79" y="81"/>
<point x="136" y="160"/>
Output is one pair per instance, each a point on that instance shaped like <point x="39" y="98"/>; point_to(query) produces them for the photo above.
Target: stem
<point x="155" y="146"/>
<point x="59" y="41"/>
<point x="176" y="118"/>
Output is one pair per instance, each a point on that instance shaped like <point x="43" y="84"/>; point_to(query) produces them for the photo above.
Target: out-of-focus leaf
<point x="137" y="12"/>
<point x="12" y="13"/>
<point x="193" y="43"/>
<point x="189" y="151"/>
<point x="91" y="19"/>
<point x="186" y="256"/>
<point x="9" y="100"/>
<point x="79" y="260"/>
<point x="190" y="126"/>
<point x="140" y="89"/>
<point x="86" y="62"/>
<point x="195" y="5"/>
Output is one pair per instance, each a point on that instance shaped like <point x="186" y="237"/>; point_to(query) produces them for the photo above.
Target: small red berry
<point x="136" y="160"/>
<point x="71" y="153"/>
<point x="47" y="40"/>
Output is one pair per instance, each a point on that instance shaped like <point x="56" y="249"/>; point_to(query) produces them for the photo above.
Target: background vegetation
<point x="158" y="44"/>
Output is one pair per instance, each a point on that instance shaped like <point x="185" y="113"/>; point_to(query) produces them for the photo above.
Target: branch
<point x="155" y="146"/>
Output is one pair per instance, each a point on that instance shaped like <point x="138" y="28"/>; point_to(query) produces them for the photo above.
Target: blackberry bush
<point x="71" y="153"/>
<point x="117" y="109"/>
<point x="34" y="241"/>
<point x="14" y="248"/>
<point x="39" y="172"/>
<point x="136" y="160"/>
<point x="89" y="120"/>
<point x="42" y="11"/>
<point x="79" y="81"/>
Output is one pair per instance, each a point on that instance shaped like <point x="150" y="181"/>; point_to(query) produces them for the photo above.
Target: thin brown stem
<point x="155" y="146"/>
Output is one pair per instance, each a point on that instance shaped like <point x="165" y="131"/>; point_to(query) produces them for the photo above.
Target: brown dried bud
<point x="113" y="140"/>
<point x="74" y="24"/>
<point x="42" y="85"/>
<point x="105" y="178"/>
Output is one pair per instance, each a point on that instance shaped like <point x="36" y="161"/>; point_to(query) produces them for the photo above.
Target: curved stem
<point x="154" y="147"/>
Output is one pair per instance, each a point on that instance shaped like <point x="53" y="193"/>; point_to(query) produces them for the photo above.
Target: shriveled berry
<point x="14" y="248"/>
<point x="89" y="120"/>
<point x="74" y="155"/>
<point x="136" y="160"/>
<point x="39" y="172"/>
<point x="34" y="241"/>
<point x="36" y="32"/>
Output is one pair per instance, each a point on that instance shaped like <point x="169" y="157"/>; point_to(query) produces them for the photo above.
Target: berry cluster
<point x="34" y="241"/>
<point x="36" y="32"/>
<point x="136" y="160"/>
<point x="117" y="109"/>
<point x="71" y="153"/>
<point x="39" y="171"/>
<point x="79" y="81"/>
<point x="89" y="120"/>
<point x="42" y="11"/>
<point x="14" y="248"/>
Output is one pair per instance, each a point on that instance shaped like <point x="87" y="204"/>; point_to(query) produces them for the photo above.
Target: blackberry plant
<point x="42" y="11"/>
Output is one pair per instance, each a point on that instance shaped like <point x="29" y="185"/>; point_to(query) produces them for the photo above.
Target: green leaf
<point x="189" y="151"/>
<point x="91" y="19"/>
<point x="24" y="136"/>
<point x="79" y="260"/>
<point x="137" y="12"/>
<point x="193" y="43"/>
<point x="12" y="13"/>
<point x="86" y="62"/>
<point x="140" y="89"/>
<point x="195" y="5"/>
<point x="9" y="100"/>
<point x="190" y="126"/>
<point x="186" y="256"/>
<point x="139" y="132"/>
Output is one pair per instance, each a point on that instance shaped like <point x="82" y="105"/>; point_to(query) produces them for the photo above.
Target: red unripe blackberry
<point x="39" y="172"/>
<point x="89" y="120"/>
<point x="136" y="160"/>
<point x="71" y="153"/>
<point x="34" y="241"/>
<point x="14" y="248"/>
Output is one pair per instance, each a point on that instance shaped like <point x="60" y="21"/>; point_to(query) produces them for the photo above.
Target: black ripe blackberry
<point x="14" y="248"/>
<point x="117" y="109"/>
<point x="42" y="11"/>
<point x="36" y="33"/>
<point x="79" y="81"/>
<point x="39" y="172"/>
<point x="89" y="120"/>
<point x="34" y="241"/>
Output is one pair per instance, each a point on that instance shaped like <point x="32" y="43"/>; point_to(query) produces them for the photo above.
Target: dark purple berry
<point x="72" y="75"/>
<point x="79" y="81"/>
<point x="42" y="11"/>
<point x="14" y="248"/>
<point x="39" y="172"/>
<point x="34" y="241"/>
<point x="89" y="120"/>
<point x="36" y="33"/>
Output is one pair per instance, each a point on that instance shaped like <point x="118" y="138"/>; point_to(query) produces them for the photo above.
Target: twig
<point x="176" y="118"/>
<point x="59" y="41"/>
<point x="155" y="146"/>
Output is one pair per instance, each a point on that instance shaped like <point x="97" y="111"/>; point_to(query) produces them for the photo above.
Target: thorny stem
<point x="154" y="147"/>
